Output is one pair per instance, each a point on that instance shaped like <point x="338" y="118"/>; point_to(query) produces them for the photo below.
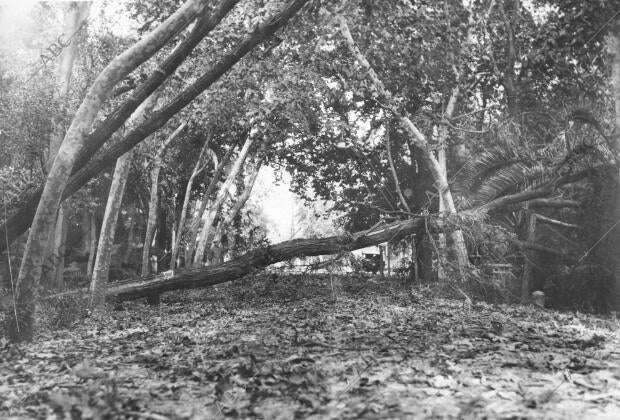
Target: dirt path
<point x="317" y="348"/>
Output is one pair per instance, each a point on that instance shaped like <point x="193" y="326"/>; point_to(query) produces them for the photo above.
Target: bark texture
<point x="253" y="260"/>
<point x="75" y="16"/>
<point x="458" y="240"/>
<point x="259" y="258"/>
<point x="200" y="166"/>
<point x="108" y="230"/>
<point x="438" y="174"/>
<point x="195" y="224"/>
<point x="151" y="220"/>
<point x="230" y="216"/>
<point x="21" y="327"/>
<point x="219" y="201"/>
<point x="101" y="267"/>
<point x="19" y="221"/>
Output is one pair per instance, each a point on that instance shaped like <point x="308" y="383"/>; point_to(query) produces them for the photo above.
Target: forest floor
<point x="283" y="347"/>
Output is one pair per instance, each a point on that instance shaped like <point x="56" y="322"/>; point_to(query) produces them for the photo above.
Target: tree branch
<point x="393" y="169"/>
<point x="553" y="202"/>
<point x="554" y="222"/>
<point x="22" y="218"/>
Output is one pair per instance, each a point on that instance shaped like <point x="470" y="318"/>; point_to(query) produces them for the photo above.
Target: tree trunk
<point x="381" y="261"/>
<point x="249" y="262"/>
<point x="508" y="81"/>
<point x="528" y="266"/>
<point x="416" y="136"/>
<point x="108" y="231"/>
<point x="415" y="275"/>
<point x="388" y="256"/>
<point x="84" y="231"/>
<point x="388" y="148"/>
<point x="151" y="220"/>
<point x="130" y="236"/>
<point x="243" y="198"/>
<point x="259" y="258"/>
<point x="60" y="242"/>
<point x="21" y="327"/>
<point x="92" y="249"/>
<point x="198" y="168"/>
<point x="22" y="218"/>
<point x="219" y="201"/>
<point x="614" y="51"/>
<point x="75" y="15"/>
<point x="195" y="224"/>
<point x="103" y="259"/>
<point x="458" y="240"/>
<point x="442" y="243"/>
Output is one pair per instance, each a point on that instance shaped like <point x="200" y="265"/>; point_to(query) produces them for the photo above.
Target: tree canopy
<point x="485" y="127"/>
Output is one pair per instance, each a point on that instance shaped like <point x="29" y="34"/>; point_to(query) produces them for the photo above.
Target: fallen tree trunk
<point x="245" y="264"/>
<point x="195" y="278"/>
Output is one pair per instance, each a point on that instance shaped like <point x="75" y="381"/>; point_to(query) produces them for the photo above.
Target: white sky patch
<point x="25" y="39"/>
<point x="14" y="18"/>
<point x="113" y="16"/>
<point x="14" y="14"/>
<point x="277" y="202"/>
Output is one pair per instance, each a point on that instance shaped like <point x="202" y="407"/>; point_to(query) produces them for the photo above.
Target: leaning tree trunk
<point x="243" y="198"/>
<point x="219" y="201"/>
<point x="20" y="327"/>
<point x="101" y="267"/>
<point x="198" y="168"/>
<point x="195" y="224"/>
<point x="75" y="16"/>
<point x="21" y="220"/>
<point x="108" y="231"/>
<point x="151" y="220"/>
<point x="259" y="258"/>
<point x="416" y="136"/>
<point x="256" y="259"/>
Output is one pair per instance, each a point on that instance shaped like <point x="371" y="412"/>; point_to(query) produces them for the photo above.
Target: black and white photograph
<point x="310" y="209"/>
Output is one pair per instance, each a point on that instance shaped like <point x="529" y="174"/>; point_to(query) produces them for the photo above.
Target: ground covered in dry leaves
<point x="318" y="347"/>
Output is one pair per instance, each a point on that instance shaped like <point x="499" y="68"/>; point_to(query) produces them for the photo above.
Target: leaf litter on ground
<point x="283" y="347"/>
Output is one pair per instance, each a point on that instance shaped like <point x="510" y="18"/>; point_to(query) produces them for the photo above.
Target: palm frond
<point x="509" y="179"/>
<point x="497" y="172"/>
<point x="476" y="171"/>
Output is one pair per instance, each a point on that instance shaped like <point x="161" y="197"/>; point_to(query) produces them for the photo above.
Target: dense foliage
<point x="533" y="104"/>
